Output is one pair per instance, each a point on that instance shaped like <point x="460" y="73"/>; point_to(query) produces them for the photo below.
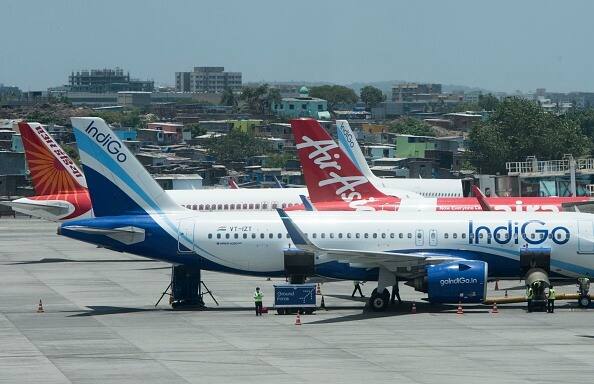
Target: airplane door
<point x="585" y="236"/>
<point x="419" y="238"/>
<point x="185" y="235"/>
<point x="433" y="237"/>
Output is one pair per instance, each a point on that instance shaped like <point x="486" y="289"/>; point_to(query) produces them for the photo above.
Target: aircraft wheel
<point x="584" y="301"/>
<point x="379" y="302"/>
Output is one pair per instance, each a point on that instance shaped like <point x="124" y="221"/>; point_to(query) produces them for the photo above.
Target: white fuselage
<point x="255" y="242"/>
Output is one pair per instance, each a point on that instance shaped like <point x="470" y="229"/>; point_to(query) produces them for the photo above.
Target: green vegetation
<point x="228" y="98"/>
<point x="278" y="160"/>
<point x="236" y="146"/>
<point x="520" y="128"/>
<point x="334" y="94"/>
<point x="372" y="96"/>
<point x="258" y="100"/>
<point x="411" y="126"/>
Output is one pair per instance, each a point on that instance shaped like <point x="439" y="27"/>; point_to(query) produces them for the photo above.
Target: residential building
<point x="415" y="91"/>
<point x="413" y="146"/>
<point x="301" y="106"/>
<point x="207" y="79"/>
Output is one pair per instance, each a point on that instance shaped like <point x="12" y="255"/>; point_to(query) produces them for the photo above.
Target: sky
<point x="502" y="45"/>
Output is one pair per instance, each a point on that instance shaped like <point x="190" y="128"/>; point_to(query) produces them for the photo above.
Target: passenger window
<point x="226" y="207"/>
<point x="348" y="235"/>
<point x="409" y="235"/>
<point x="480" y="236"/>
<point x="323" y="235"/>
<point x="227" y="236"/>
<point x="464" y="236"/>
<point x="375" y="235"/>
<point x="392" y="235"/>
<point x="236" y="235"/>
<point x="244" y="206"/>
<point x="274" y="205"/>
<point x="257" y="206"/>
<point x="288" y="237"/>
<point x="454" y="235"/>
<point x="201" y="207"/>
<point x="366" y="235"/>
<point x="532" y="236"/>
<point x="253" y="235"/>
<point x="357" y="235"/>
<point x="270" y="235"/>
<point x="445" y="235"/>
<point x="419" y="235"/>
<point x="340" y="235"/>
<point x="261" y="235"/>
<point x="210" y="235"/>
<point x="220" y="207"/>
<point x="315" y="235"/>
<point x="264" y="206"/>
<point x="331" y="235"/>
<point x="245" y="235"/>
<point x="400" y="235"/>
<point x="207" y="207"/>
<point x="558" y="236"/>
<point x="251" y="206"/>
<point x="194" y="207"/>
<point x="218" y="235"/>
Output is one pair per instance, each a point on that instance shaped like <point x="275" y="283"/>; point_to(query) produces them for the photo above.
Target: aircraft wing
<point x="390" y="260"/>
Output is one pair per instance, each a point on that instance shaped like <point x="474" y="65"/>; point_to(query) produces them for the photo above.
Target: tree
<point x="256" y="99"/>
<point x="334" y="94"/>
<point x="519" y="128"/>
<point x="236" y="146"/>
<point x="411" y="126"/>
<point x="488" y="102"/>
<point x="372" y="96"/>
<point x="228" y="97"/>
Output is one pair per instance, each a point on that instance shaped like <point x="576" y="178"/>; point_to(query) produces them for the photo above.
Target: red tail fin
<point x="52" y="170"/>
<point x="329" y="173"/>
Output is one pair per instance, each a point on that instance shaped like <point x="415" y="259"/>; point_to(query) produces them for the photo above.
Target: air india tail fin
<point x="52" y="171"/>
<point x="329" y="173"/>
<point x="118" y="183"/>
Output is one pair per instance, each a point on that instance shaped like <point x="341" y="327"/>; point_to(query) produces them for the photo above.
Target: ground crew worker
<point x="357" y="288"/>
<point x="551" y="300"/>
<point x="529" y="296"/>
<point x="395" y="293"/>
<point x="258" y="301"/>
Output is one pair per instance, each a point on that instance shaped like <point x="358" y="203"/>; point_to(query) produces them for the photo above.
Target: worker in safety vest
<point x="258" y="301"/>
<point x="551" y="300"/>
<point x="529" y="296"/>
<point x="357" y="285"/>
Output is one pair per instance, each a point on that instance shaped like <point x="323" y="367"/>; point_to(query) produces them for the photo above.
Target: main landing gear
<point x="379" y="302"/>
<point x="583" y="290"/>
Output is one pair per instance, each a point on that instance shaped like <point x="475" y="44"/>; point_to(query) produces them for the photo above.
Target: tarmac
<point x="100" y="325"/>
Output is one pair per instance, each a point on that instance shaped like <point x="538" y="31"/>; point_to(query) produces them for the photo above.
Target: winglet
<point x="277" y="182"/>
<point x="233" y="184"/>
<point x="296" y="235"/>
<point x="307" y="204"/>
<point x="482" y="199"/>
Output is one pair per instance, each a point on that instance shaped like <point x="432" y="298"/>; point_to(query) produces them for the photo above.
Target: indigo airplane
<point x="449" y="255"/>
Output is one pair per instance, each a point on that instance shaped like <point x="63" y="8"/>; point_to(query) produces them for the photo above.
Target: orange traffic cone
<point x="298" y="319"/>
<point x="319" y="290"/>
<point x="460" y="311"/>
<point x="494" y="309"/>
<point x="40" y="307"/>
<point x="413" y="309"/>
<point x="497" y="285"/>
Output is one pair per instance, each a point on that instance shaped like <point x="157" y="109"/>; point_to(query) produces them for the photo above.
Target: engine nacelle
<point x="464" y="281"/>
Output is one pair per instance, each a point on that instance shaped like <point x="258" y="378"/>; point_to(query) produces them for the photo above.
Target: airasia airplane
<point x="336" y="184"/>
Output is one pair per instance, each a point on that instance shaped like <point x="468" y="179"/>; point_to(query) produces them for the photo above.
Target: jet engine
<point x="456" y="281"/>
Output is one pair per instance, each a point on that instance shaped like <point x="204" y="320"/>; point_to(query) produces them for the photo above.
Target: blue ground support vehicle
<point x="290" y="298"/>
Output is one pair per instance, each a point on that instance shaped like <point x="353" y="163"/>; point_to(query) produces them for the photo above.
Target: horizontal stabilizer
<point x="126" y="235"/>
